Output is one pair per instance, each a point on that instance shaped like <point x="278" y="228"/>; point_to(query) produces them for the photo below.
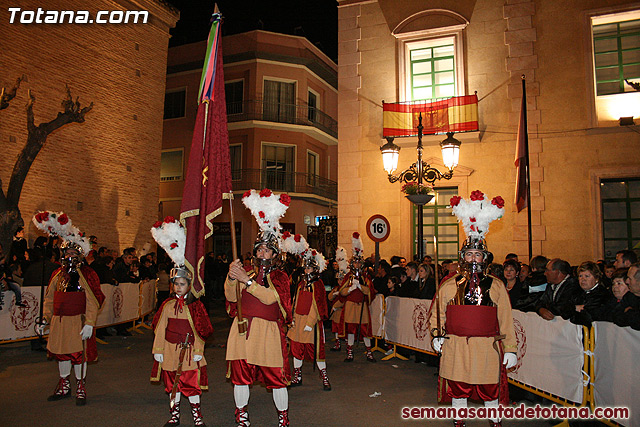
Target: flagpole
<point x="526" y="160"/>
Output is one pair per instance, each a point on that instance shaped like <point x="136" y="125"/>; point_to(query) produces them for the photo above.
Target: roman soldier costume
<point x="357" y="290"/>
<point x="181" y="328"/>
<point x="337" y="301"/>
<point x="70" y="309"/>
<point x="256" y="347"/>
<point x="309" y="310"/>
<point x="474" y="324"/>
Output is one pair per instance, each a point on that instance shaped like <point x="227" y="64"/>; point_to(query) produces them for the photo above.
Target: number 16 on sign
<point x="378" y="229"/>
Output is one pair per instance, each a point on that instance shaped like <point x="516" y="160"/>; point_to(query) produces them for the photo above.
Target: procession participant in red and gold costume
<point x="474" y="309"/>
<point x="181" y="326"/>
<point x="335" y="298"/>
<point x="71" y="304"/>
<point x="358" y="292"/>
<point x="258" y="353"/>
<point x="309" y="310"/>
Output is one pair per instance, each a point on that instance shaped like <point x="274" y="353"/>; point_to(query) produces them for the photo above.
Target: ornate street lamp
<point x="420" y="171"/>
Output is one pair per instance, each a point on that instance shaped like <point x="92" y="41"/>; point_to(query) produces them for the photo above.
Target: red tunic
<point x="356" y="302"/>
<point x="176" y="324"/>
<point x="310" y="310"/>
<point x="68" y="312"/>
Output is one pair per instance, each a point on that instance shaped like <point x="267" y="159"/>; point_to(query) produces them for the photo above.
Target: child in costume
<point x="309" y="310"/>
<point x="337" y="302"/>
<point x="181" y="326"/>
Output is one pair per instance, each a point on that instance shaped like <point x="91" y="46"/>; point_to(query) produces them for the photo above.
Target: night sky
<point x="317" y="20"/>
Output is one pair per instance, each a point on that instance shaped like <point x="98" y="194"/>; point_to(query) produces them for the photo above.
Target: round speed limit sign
<point x="378" y="228"/>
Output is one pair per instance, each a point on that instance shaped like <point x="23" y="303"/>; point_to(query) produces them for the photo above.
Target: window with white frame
<point x="312" y="168"/>
<point x="234" y="96"/>
<point x="432" y="64"/>
<point x="278" y="167"/>
<point x="615" y="39"/>
<point x="616" y="50"/>
<point x="174" y="103"/>
<point x="171" y="165"/>
<point x="235" y="154"/>
<point x="432" y="69"/>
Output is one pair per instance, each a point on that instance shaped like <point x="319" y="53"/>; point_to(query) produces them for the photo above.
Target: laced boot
<point x="370" y="357"/>
<point x="81" y="393"/>
<point x="325" y="379"/>
<point x="336" y="346"/>
<point x="459" y="423"/>
<point x="242" y="417"/>
<point x="283" y="418"/>
<point x="349" y="357"/>
<point x="297" y="377"/>
<point x="63" y="390"/>
<point x="175" y="416"/>
<point x="196" y="411"/>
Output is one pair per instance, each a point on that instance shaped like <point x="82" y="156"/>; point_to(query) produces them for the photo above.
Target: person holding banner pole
<point x="358" y="292"/>
<point x="260" y="354"/>
<point x="478" y="342"/>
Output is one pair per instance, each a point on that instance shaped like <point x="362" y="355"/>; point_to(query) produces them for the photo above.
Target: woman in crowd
<point x="619" y="287"/>
<point x="512" y="281"/>
<point x="426" y="282"/>
<point x="595" y="300"/>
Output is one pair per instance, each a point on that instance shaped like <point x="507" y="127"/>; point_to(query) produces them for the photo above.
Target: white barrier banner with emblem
<point x="147" y="297"/>
<point x="616" y="353"/>
<point x="550" y="355"/>
<point x="377" y="316"/>
<point x="405" y="322"/>
<point x="121" y="304"/>
<point x="18" y="322"/>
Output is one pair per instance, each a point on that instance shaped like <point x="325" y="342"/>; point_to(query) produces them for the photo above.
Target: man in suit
<point x="557" y="299"/>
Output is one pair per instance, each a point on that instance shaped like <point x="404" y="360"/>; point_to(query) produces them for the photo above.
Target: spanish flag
<point x="457" y="114"/>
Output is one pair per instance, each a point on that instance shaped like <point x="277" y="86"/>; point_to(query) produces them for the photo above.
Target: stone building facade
<point x="103" y="172"/>
<point x="584" y="164"/>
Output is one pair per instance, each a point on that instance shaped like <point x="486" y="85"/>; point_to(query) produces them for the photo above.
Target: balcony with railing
<point x="290" y="182"/>
<point x="281" y="113"/>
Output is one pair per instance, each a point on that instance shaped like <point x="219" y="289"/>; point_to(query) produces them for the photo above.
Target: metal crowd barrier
<point x="125" y="303"/>
<point x="403" y="325"/>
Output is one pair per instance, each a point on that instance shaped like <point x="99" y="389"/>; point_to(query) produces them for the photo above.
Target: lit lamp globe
<point x="450" y="151"/>
<point x="390" y="154"/>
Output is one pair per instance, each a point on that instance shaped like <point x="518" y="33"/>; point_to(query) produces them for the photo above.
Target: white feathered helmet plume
<point x="314" y="259"/>
<point x="58" y="224"/>
<point x="294" y="244"/>
<point x="341" y="259"/>
<point x="267" y="208"/>
<point x="172" y="237"/>
<point x="357" y="248"/>
<point x="475" y="215"/>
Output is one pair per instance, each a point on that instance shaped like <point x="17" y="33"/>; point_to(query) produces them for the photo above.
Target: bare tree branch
<point x="6" y="96"/>
<point x="634" y="85"/>
<point x="37" y="136"/>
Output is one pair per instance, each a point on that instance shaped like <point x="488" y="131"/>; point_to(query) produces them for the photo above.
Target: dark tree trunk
<point x="10" y="218"/>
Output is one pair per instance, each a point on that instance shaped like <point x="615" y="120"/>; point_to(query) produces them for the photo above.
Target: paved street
<point x="120" y="394"/>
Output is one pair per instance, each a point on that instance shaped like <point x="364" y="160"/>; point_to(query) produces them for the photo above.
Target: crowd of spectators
<point x="582" y="294"/>
<point x="33" y="266"/>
